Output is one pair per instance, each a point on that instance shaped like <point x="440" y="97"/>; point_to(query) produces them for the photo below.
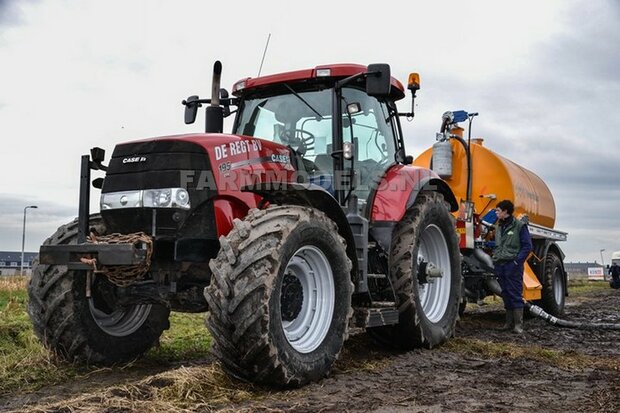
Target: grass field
<point x="26" y="366"/>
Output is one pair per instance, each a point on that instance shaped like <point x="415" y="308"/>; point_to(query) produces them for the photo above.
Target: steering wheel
<point x="298" y="137"/>
<point x="382" y="150"/>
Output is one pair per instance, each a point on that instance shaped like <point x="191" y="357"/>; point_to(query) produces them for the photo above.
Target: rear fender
<point x="399" y="189"/>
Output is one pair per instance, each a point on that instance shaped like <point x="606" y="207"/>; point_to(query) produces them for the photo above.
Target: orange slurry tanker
<point x="479" y="178"/>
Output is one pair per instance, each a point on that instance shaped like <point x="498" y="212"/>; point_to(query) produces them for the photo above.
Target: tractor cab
<point x="304" y="122"/>
<point x="339" y="122"/>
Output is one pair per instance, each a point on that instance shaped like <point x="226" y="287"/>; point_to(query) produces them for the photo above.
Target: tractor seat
<point x="323" y="176"/>
<point x="324" y="162"/>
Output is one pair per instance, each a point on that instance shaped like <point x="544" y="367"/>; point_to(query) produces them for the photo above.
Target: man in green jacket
<point x="512" y="247"/>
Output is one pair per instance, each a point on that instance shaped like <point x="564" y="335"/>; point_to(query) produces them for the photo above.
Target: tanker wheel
<point x="428" y="306"/>
<point x="553" y="295"/>
<point x="90" y="330"/>
<point x="280" y="296"/>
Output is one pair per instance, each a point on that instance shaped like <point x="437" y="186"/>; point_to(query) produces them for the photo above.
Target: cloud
<point x="9" y="13"/>
<point x="12" y="12"/>
<point x="543" y="76"/>
<point x="552" y="112"/>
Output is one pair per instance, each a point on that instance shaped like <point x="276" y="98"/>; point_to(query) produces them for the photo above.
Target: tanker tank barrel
<point x="474" y="173"/>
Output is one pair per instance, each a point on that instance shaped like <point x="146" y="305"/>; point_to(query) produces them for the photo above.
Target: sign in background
<point x="596" y="273"/>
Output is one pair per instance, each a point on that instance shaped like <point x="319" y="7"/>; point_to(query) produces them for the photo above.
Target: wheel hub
<point x="292" y="297"/>
<point x="427" y="272"/>
<point x="422" y="272"/>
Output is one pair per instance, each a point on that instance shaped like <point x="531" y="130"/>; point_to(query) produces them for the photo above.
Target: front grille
<point x="154" y="164"/>
<point x="160" y="164"/>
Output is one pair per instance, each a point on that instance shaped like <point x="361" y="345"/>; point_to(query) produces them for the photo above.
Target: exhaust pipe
<point x="215" y="112"/>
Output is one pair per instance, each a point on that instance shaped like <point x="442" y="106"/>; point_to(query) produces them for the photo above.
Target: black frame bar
<point x="84" y="206"/>
<point x="106" y="254"/>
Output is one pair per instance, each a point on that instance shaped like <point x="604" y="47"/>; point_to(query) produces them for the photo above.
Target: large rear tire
<point x="280" y="296"/>
<point x="553" y="295"/>
<point x="429" y="308"/>
<point x="88" y="330"/>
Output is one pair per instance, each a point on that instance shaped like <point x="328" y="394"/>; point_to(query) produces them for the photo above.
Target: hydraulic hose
<point x="536" y="311"/>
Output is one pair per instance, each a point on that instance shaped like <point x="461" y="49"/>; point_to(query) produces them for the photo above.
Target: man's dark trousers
<point x="510" y="277"/>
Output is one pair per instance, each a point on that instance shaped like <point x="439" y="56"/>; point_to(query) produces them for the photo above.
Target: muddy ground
<point x="547" y="369"/>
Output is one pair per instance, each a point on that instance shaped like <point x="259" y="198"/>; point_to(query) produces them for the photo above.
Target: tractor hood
<point x="185" y="176"/>
<point x="184" y="160"/>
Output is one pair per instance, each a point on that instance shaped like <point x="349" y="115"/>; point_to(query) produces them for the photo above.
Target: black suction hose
<point x="536" y="311"/>
<point x="581" y="325"/>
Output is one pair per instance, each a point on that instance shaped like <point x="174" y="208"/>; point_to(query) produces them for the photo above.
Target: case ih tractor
<point x="303" y="223"/>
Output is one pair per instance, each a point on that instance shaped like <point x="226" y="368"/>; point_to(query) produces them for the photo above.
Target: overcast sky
<point x="544" y="76"/>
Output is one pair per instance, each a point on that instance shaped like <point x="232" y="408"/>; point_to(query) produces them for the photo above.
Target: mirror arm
<point x="225" y="101"/>
<point x="342" y="83"/>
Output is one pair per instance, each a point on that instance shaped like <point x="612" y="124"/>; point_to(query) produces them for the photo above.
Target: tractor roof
<point x="335" y="71"/>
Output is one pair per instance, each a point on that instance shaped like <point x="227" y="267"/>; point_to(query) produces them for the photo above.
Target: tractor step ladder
<point x="366" y="317"/>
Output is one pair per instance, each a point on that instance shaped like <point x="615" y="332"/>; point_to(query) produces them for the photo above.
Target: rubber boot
<point x="510" y="321"/>
<point x="518" y="320"/>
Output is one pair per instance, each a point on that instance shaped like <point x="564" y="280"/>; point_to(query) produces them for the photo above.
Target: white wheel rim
<point x="120" y="323"/>
<point x="558" y="289"/>
<point x="307" y="330"/>
<point x="435" y="295"/>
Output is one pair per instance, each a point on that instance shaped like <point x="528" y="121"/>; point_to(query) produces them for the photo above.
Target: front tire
<point x="428" y="310"/>
<point x="88" y="330"/>
<point x="280" y="296"/>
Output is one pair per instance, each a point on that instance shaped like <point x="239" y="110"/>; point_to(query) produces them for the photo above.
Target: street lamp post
<point x="603" y="262"/>
<point x="21" y="271"/>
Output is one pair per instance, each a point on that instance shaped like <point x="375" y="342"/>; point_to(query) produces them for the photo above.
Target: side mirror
<point x="378" y="82"/>
<point x="97" y="154"/>
<point x="191" y="109"/>
<point x="225" y="102"/>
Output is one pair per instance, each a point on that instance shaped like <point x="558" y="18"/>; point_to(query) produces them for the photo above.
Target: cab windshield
<point x="304" y="123"/>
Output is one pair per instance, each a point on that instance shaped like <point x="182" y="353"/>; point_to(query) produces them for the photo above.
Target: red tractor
<point x="307" y="221"/>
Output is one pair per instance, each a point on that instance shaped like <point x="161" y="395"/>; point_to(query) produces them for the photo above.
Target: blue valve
<point x="459" y="116"/>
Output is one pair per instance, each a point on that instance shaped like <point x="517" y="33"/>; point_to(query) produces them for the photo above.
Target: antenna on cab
<point x="260" y="69"/>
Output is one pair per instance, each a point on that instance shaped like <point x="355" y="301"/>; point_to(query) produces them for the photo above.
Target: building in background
<point x="585" y="271"/>
<point x="10" y="262"/>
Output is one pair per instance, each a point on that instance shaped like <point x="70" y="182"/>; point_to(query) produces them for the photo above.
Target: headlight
<point x="182" y="197"/>
<point x="125" y="199"/>
<point x="157" y="198"/>
<point x="148" y="198"/>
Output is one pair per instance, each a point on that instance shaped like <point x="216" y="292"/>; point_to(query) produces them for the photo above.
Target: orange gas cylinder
<point x="494" y="174"/>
